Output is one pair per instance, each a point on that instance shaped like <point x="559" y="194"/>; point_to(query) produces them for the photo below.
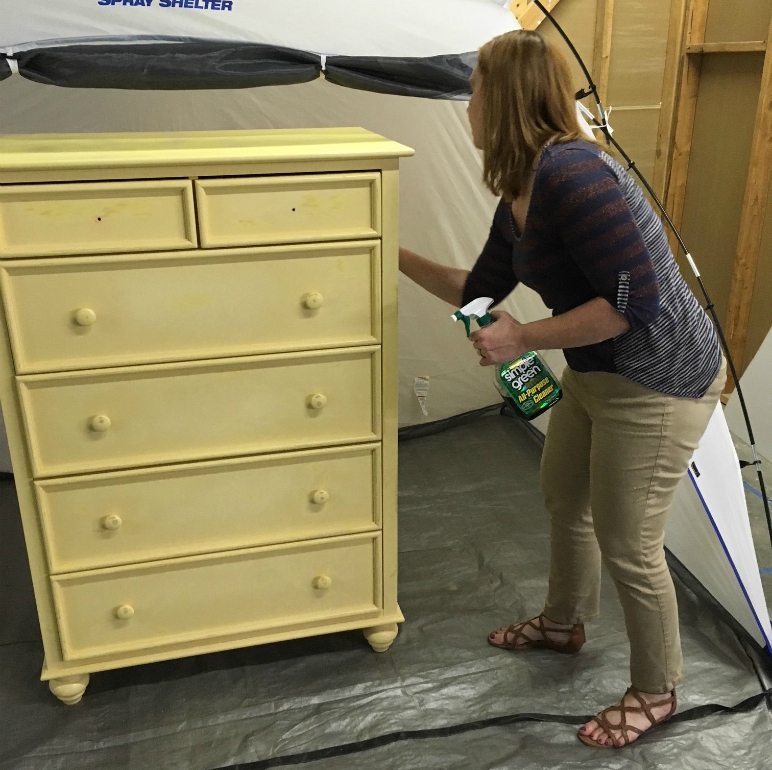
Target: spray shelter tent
<point x="162" y="65"/>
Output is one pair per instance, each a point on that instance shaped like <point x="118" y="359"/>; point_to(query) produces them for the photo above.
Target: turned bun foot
<point x="69" y="689"/>
<point x="381" y="637"/>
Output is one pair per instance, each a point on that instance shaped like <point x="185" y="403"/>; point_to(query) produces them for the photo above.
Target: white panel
<point x="755" y="384"/>
<point x="342" y="27"/>
<point x="709" y="531"/>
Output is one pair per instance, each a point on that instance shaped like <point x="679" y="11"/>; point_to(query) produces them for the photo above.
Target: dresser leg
<point x="69" y="689"/>
<point x="381" y="637"/>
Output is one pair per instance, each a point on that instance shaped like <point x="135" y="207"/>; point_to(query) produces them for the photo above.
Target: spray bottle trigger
<point x="477" y="309"/>
<point x="485" y="320"/>
<point x="459" y="316"/>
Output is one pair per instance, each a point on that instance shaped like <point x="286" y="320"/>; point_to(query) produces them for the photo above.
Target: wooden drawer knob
<point x="112" y="522"/>
<point x="313" y="301"/>
<point x="100" y="423"/>
<point x="322" y="582"/>
<point x="85" y="316"/>
<point x="320" y="497"/>
<point x="124" y="612"/>
<point x="318" y="401"/>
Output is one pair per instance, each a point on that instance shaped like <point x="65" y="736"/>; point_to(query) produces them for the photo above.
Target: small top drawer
<point x="255" y="211"/>
<point x="97" y="218"/>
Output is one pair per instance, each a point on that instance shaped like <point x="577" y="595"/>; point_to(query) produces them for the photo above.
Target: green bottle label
<point x="530" y="385"/>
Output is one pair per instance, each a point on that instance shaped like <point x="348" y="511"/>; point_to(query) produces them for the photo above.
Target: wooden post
<point x="697" y="15"/>
<point x="752" y="221"/>
<point x="604" y="24"/>
<point x="529" y="16"/>
<point x="667" y="119"/>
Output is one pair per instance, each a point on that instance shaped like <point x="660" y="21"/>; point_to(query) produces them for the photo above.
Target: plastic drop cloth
<point x="474" y="546"/>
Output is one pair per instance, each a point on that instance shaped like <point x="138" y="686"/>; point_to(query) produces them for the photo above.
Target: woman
<point x="644" y="373"/>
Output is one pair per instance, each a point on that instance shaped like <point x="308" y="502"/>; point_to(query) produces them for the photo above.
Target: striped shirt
<point x="590" y="232"/>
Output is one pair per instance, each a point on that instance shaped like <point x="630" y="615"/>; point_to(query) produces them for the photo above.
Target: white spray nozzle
<point x="477" y="308"/>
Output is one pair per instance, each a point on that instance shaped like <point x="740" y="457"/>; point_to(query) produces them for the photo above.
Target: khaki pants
<point x="614" y="454"/>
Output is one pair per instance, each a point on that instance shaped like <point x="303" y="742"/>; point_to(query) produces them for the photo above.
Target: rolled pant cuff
<point x="569" y="619"/>
<point x="656" y="688"/>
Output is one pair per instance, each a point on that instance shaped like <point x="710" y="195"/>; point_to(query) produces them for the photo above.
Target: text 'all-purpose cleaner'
<point x="527" y="383"/>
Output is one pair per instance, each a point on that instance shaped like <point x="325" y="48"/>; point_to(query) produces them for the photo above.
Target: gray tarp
<point x="473" y="555"/>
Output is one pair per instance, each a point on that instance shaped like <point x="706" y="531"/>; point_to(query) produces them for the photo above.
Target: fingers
<point x="484" y="359"/>
<point x="481" y="351"/>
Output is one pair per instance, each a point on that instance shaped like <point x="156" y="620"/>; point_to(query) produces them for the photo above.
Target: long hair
<point x="528" y="102"/>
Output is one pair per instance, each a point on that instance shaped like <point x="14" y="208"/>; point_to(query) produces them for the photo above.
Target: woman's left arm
<point x="588" y="324"/>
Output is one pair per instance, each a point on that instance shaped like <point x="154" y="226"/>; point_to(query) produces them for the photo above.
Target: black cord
<point x="439" y="733"/>
<point x="592" y="90"/>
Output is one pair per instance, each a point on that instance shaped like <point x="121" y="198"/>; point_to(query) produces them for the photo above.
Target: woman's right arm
<point x="492" y="275"/>
<point x="444" y="282"/>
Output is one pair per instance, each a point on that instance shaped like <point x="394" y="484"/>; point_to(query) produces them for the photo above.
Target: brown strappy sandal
<point x="622" y="727"/>
<point x="515" y="633"/>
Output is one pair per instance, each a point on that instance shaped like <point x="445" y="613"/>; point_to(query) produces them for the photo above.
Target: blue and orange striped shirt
<point x="590" y="232"/>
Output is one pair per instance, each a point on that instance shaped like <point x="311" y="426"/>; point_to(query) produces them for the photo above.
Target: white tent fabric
<point x="445" y="209"/>
<point x="397" y="28"/>
<point x="755" y="384"/>
<point x="709" y="532"/>
<point x="402" y="47"/>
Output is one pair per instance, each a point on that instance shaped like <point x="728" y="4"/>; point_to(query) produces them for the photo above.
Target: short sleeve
<point x="493" y="274"/>
<point x="589" y="212"/>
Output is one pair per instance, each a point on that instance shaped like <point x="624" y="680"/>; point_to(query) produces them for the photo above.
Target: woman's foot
<point x="628" y="720"/>
<point x="539" y="632"/>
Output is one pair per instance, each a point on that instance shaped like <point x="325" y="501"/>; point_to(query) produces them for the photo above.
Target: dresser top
<point x="72" y="152"/>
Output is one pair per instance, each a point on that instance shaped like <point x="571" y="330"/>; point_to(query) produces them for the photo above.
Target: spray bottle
<point x="527" y="383"/>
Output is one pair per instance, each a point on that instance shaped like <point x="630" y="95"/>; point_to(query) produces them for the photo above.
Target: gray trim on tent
<point x="433" y="77"/>
<point x="201" y="64"/>
<point x="167" y="66"/>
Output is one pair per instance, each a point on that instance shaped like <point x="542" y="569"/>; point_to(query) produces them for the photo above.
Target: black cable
<point x="592" y="90"/>
<point x="370" y="744"/>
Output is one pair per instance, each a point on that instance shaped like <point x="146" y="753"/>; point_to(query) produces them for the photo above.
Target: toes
<point x="588" y="728"/>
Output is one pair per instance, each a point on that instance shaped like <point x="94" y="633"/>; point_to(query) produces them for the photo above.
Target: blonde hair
<point x="528" y="101"/>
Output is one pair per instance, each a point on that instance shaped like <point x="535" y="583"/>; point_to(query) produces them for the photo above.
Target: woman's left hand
<point x="500" y="342"/>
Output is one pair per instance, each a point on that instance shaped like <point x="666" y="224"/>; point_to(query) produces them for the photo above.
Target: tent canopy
<point x="401" y="47"/>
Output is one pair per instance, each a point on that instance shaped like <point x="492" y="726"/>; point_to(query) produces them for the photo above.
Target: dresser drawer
<point x="66" y="314"/>
<point x="50" y="220"/>
<point x="131" y="608"/>
<point x="147" y="415"/>
<point x="133" y="516"/>
<point x="288" y="209"/>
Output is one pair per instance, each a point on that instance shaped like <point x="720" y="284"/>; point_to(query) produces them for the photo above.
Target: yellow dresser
<point x="198" y="367"/>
